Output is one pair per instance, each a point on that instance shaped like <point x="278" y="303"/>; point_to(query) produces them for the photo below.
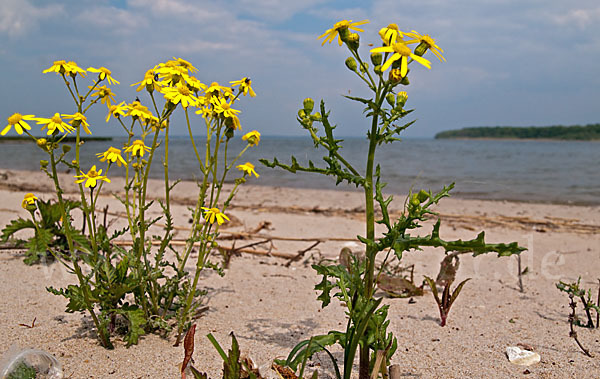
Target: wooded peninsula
<point x="575" y="132"/>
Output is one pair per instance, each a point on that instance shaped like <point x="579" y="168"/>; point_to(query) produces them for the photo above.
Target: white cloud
<point x="579" y="17"/>
<point x="17" y="17"/>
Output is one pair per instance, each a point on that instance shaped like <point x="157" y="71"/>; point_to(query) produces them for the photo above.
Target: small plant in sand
<point x="354" y="286"/>
<point x="140" y="286"/>
<point x="574" y="290"/>
<point x="46" y="222"/>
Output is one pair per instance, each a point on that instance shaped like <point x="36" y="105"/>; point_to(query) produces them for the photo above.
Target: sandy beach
<point x="268" y="301"/>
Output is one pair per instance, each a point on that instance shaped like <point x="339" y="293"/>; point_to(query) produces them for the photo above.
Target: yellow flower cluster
<point x="393" y="43"/>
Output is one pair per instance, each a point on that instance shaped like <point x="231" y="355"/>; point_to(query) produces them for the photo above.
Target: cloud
<point x="111" y="19"/>
<point x="18" y="17"/>
<point x="580" y="17"/>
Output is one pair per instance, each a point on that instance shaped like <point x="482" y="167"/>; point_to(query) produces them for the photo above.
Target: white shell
<point x="522" y="357"/>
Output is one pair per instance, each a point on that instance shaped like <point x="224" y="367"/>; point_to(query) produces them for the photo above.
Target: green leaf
<point x="456" y="292"/>
<point x="14" y="226"/>
<point x="303" y="349"/>
<point x="137" y="321"/>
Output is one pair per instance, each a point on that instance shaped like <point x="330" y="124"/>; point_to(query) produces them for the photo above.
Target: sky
<point x="508" y="62"/>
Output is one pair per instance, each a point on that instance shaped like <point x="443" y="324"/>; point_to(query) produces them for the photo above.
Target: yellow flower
<point x="171" y="72"/>
<point x="18" y="121"/>
<point x="91" y="177"/>
<point x="104" y="73"/>
<point x="78" y="119"/>
<point x="245" y="86"/>
<point x="222" y="106"/>
<point x="248" y="168"/>
<point x="137" y="148"/>
<point x="180" y="94"/>
<point x="137" y="110"/>
<point x="73" y="69"/>
<point x="252" y="137"/>
<point x="402" y="52"/>
<point x="213" y="214"/>
<point x="390" y="34"/>
<point x="112" y="155"/>
<point x="425" y="42"/>
<point x="215" y="89"/>
<point x="28" y="200"/>
<point x="341" y="27"/>
<point x="53" y="123"/>
<point x="64" y="67"/>
<point x="183" y="63"/>
<point x="105" y="94"/>
<point x="148" y="82"/>
<point x="116" y="110"/>
<point x="193" y="83"/>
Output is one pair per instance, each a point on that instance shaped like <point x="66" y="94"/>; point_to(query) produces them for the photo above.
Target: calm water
<point x="538" y="171"/>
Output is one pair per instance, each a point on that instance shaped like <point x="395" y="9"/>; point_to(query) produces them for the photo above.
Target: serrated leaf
<point x="14" y="226"/>
<point x="135" y="317"/>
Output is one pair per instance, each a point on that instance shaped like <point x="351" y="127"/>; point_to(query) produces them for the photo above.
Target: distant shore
<point x="516" y="139"/>
<point x="555" y="133"/>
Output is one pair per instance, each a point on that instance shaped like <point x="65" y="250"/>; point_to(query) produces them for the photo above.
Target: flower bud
<point x="41" y="142"/>
<point x="316" y="116"/>
<point x="229" y="133"/>
<point x="401" y="100"/>
<point x="301" y="113"/>
<point x="66" y="148"/>
<point x="351" y="63"/>
<point x="364" y="67"/>
<point x="391" y="99"/>
<point x="309" y="104"/>
<point x="422" y="196"/>
<point x="377" y="69"/>
<point x="43" y="164"/>
<point x="353" y="41"/>
<point x="405" y="81"/>
<point x="376" y="58"/>
<point x="421" y="49"/>
<point x="414" y="200"/>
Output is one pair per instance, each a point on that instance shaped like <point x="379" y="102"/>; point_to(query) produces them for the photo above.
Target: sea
<point x="564" y="172"/>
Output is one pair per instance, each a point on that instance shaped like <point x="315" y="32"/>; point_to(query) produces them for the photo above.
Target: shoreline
<point x="515" y="139"/>
<point x="454" y="194"/>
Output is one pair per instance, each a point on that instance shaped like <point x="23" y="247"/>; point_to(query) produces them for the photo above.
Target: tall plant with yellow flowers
<point x="146" y="286"/>
<point x="366" y="329"/>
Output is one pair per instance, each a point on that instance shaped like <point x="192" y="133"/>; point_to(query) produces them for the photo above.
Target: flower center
<point x="56" y="119"/>
<point x="59" y="63"/>
<point x="92" y="173"/>
<point x="184" y="90"/>
<point x="105" y="71"/>
<point x="113" y="150"/>
<point x="15" y="119"/>
<point x="225" y="106"/>
<point x="402" y="49"/>
<point x="393" y="26"/>
<point x="341" y="24"/>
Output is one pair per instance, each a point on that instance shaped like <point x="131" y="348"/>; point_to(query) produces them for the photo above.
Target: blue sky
<point x="509" y="62"/>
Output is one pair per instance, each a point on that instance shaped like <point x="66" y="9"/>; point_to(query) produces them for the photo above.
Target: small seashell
<point x="521" y="357"/>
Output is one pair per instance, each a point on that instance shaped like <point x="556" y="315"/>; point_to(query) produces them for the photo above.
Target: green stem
<point x="103" y="333"/>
